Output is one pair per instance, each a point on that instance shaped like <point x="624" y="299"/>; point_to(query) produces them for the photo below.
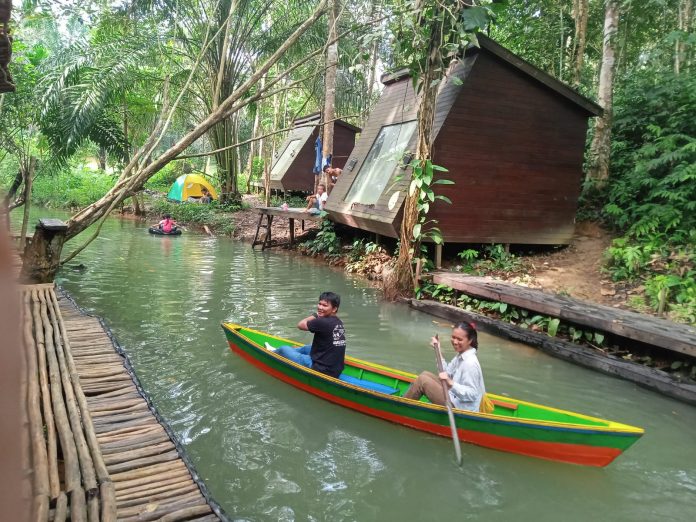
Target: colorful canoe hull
<point x="587" y="440"/>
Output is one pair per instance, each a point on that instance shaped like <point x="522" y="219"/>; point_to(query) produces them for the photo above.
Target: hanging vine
<point x="429" y="38"/>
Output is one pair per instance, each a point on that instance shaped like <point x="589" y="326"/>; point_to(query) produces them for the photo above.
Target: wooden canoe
<point x="514" y="426"/>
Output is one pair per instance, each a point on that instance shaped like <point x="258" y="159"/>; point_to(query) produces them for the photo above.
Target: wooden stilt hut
<point x="511" y="136"/>
<point x="294" y="161"/>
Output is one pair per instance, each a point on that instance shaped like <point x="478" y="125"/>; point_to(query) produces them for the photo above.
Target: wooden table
<point x="291" y="215"/>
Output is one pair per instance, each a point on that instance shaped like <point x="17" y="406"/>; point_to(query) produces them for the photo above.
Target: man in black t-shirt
<point x="327" y="352"/>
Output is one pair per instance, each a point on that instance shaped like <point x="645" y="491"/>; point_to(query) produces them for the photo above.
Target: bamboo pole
<point x="67" y="444"/>
<point x="132" y="443"/>
<point x="39" y="455"/>
<point x="153" y="489"/>
<point x="69" y="380"/>
<point x="152" y="449"/>
<point x="177" y="510"/>
<point x="186" y="513"/>
<point x="48" y="422"/>
<point x="78" y="508"/>
<point x="108" y="501"/>
<point x="93" y="507"/>
<point x="145" y="472"/>
<point x="172" y="475"/>
<point x="108" y="505"/>
<point x="181" y="494"/>
<point x="61" y="511"/>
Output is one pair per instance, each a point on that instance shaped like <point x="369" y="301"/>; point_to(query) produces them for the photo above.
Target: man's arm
<point x="302" y="325"/>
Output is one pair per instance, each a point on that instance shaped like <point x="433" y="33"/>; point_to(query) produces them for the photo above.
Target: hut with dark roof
<point x="294" y="160"/>
<point x="511" y="136"/>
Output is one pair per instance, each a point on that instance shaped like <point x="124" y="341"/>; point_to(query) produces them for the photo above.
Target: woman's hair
<point x="470" y="331"/>
<point x="167" y="216"/>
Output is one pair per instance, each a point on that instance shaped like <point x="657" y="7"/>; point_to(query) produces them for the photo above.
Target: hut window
<point x="298" y="138"/>
<point x="379" y="165"/>
<point x="282" y="163"/>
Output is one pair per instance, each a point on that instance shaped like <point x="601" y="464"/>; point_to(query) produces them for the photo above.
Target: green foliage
<point x="468" y="256"/>
<point x="653" y="184"/>
<point x="185" y="213"/>
<point x="162" y="181"/>
<point x="521" y="317"/>
<point x="292" y="201"/>
<point x="422" y="182"/>
<point x="361" y="248"/>
<point x="71" y="189"/>
<point x="326" y="241"/>
<point x="495" y="259"/>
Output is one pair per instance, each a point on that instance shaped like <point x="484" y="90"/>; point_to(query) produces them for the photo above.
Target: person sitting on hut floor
<point x="315" y="203"/>
<point x="206" y="197"/>
<point x="327" y="352"/>
<point x="462" y="375"/>
<point x="333" y="174"/>
<point x="167" y="225"/>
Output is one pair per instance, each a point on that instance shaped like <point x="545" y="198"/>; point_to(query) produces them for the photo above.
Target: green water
<point x="270" y="452"/>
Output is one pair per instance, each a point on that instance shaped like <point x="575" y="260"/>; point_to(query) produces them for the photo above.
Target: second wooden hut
<point x="511" y="136"/>
<point x="294" y="161"/>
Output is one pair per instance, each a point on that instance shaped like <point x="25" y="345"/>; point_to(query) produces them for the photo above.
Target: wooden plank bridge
<point x="98" y="453"/>
<point x="676" y="337"/>
<point x="269" y="213"/>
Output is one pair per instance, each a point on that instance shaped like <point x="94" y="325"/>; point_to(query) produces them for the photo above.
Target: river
<point x="270" y="452"/>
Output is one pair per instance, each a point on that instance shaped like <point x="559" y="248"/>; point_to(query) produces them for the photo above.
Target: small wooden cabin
<point x="511" y="136"/>
<point x="294" y="159"/>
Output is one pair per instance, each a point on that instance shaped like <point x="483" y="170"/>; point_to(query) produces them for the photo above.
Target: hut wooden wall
<point x="514" y="149"/>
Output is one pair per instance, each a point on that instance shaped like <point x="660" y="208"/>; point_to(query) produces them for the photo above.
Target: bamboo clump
<point x="97" y="451"/>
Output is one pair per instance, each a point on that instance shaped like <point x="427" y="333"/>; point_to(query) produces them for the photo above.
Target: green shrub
<point x="162" y="181"/>
<point x="653" y="183"/>
<point x="326" y="241"/>
<point x="185" y="213"/>
<point x="71" y="189"/>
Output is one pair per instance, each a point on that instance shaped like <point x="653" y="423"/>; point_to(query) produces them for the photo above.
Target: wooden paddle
<point x="450" y="414"/>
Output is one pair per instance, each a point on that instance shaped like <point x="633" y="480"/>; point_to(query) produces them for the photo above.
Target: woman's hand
<point x="434" y="342"/>
<point x="444" y="376"/>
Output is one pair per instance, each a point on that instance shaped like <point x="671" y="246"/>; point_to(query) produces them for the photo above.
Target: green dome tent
<point x="190" y="185"/>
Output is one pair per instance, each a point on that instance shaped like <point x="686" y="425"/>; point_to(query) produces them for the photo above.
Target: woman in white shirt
<point x="462" y="375"/>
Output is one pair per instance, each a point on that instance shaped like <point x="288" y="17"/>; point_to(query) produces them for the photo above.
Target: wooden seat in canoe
<point x="381" y="388"/>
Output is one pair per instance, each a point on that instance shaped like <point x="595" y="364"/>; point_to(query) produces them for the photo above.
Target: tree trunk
<point x="600" y="148"/>
<point x="102" y="159"/>
<point x="10" y="197"/>
<point x="42" y="254"/>
<point x="684" y="26"/>
<point x="253" y="147"/>
<point x="401" y="280"/>
<point x="28" y="179"/>
<point x="330" y="87"/>
<point x="376" y="8"/>
<point x="137" y="209"/>
<point x="580" y="15"/>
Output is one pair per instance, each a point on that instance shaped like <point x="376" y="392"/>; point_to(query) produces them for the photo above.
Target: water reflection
<point x="269" y="452"/>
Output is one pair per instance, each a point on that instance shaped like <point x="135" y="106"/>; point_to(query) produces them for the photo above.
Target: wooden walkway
<point x="269" y="213"/>
<point x="676" y="337"/>
<point x="98" y="451"/>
